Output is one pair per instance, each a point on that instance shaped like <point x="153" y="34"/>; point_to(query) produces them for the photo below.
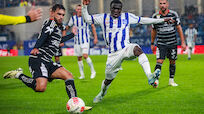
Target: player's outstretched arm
<point x="85" y="13"/>
<point x="33" y="15"/>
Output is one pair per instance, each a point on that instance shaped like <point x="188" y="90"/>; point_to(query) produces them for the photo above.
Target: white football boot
<point x="93" y="75"/>
<point x="98" y="98"/>
<point x="154" y="78"/>
<point x="81" y="77"/>
<point x="13" y="73"/>
<point x="172" y="83"/>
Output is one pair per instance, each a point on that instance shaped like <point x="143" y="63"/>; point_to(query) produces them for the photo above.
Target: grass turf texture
<point x="129" y="92"/>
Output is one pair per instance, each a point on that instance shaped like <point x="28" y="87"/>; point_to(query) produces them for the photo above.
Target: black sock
<point x="107" y="82"/>
<point x="28" y="81"/>
<point x="158" y="66"/>
<point x="172" y="69"/>
<point x="70" y="88"/>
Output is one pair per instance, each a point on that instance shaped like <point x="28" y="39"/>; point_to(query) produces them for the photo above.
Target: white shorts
<point x="114" y="60"/>
<point x="191" y="44"/>
<point x="80" y="50"/>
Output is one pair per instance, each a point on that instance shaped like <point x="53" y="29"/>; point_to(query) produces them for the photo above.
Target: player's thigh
<point x="132" y="51"/>
<point x="161" y="52"/>
<point x="77" y="50"/>
<point x="38" y="68"/>
<point x="172" y="53"/>
<point x="113" y="63"/>
<point x="62" y="73"/>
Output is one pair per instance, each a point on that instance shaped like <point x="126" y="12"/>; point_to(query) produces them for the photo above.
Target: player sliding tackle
<point x="115" y="28"/>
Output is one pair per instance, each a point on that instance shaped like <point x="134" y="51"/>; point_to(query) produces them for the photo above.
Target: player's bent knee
<point x="40" y="88"/>
<point x="137" y="51"/>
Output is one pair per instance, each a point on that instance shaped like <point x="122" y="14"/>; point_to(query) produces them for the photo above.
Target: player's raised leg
<point x="144" y="62"/>
<point x="62" y="73"/>
<point x="104" y="87"/>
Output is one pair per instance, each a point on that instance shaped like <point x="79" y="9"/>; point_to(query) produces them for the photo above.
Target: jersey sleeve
<point x="71" y="22"/>
<point x="47" y="29"/>
<point x="153" y="25"/>
<point x="11" y="20"/>
<point x="177" y="19"/>
<point x="97" y="18"/>
<point x="196" y="32"/>
<point x="134" y="19"/>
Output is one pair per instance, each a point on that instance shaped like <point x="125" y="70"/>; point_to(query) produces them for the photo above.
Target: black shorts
<point x="41" y="68"/>
<point x="165" y="51"/>
<point x="59" y="52"/>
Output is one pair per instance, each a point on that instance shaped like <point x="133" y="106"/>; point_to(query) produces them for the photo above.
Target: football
<point x="75" y="105"/>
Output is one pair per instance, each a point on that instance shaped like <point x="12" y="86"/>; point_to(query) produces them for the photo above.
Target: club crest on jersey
<point x="49" y="29"/>
<point x="158" y="16"/>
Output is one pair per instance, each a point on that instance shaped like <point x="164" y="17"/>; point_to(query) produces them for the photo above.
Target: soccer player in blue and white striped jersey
<point x="82" y="41"/>
<point x="190" y="35"/>
<point x="115" y="26"/>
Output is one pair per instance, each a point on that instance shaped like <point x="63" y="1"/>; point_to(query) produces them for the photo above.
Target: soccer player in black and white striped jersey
<point x="190" y="35"/>
<point x="41" y="65"/>
<point x="166" y="39"/>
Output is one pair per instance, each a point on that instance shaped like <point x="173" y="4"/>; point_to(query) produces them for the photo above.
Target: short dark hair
<point x="116" y="1"/>
<point x="57" y="6"/>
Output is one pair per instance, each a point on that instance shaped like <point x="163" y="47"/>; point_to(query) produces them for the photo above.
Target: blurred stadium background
<point x="20" y="39"/>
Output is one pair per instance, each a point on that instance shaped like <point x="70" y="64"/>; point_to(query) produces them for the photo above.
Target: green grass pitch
<point x="129" y="92"/>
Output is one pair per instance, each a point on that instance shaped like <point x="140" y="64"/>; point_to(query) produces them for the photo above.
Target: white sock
<point x="81" y="67"/>
<point x="104" y="88"/>
<point x="189" y="53"/>
<point x="144" y="62"/>
<point x="88" y="60"/>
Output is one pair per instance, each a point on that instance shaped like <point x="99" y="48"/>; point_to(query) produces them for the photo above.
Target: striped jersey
<point x="82" y="38"/>
<point x="190" y="33"/>
<point x="115" y="30"/>
<point x="166" y="33"/>
<point x="48" y="40"/>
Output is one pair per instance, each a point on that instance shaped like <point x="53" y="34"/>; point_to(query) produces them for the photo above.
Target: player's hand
<point x="86" y="2"/>
<point x="152" y="48"/>
<point x="61" y="44"/>
<point x="74" y="30"/>
<point x="183" y="46"/>
<point x="169" y="20"/>
<point x="95" y="41"/>
<point x="35" y="14"/>
<point x="35" y="51"/>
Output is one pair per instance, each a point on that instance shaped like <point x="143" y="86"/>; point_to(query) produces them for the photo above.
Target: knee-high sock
<point x="144" y="62"/>
<point x="28" y="81"/>
<point x="70" y="88"/>
<point x="158" y="66"/>
<point x="81" y="68"/>
<point x="189" y="53"/>
<point x="89" y="61"/>
<point x="172" y="69"/>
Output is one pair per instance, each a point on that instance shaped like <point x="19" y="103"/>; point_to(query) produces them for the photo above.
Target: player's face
<point x="163" y="4"/>
<point x="191" y="25"/>
<point x="59" y="15"/>
<point x="116" y="9"/>
<point x="78" y="10"/>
